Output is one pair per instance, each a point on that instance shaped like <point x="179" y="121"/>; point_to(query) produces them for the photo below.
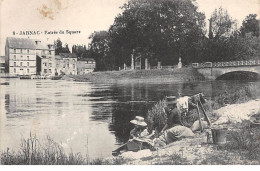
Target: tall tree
<point x="222" y="23"/>
<point x="100" y="50"/>
<point x="79" y="50"/>
<point x="59" y="48"/>
<point x="250" y="24"/>
<point x="160" y="30"/>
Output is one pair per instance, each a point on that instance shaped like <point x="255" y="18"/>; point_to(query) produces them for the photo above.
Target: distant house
<point x="85" y="65"/>
<point x="66" y="63"/>
<point x="45" y="58"/>
<point x="29" y="57"/>
<point x="2" y="64"/>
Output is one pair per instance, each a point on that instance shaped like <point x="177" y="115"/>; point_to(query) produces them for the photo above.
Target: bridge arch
<point x="239" y="75"/>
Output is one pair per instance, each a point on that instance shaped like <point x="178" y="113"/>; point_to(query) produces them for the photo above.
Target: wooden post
<point x="201" y="126"/>
<point x="206" y="116"/>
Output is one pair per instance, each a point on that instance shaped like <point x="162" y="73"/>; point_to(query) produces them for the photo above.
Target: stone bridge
<point x="213" y="70"/>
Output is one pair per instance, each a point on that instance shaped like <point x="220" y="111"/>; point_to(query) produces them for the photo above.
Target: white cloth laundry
<point x="235" y="113"/>
<point x="183" y="104"/>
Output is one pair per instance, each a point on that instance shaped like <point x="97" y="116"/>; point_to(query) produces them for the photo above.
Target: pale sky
<point x="87" y="16"/>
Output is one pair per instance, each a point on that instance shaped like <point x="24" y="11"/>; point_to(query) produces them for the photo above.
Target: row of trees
<point x="164" y="30"/>
<point x="59" y="48"/>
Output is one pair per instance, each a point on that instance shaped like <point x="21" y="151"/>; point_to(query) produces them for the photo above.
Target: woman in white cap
<point x="140" y="130"/>
<point x="139" y="136"/>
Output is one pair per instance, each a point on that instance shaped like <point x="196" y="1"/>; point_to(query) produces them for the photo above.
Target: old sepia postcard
<point x="130" y="82"/>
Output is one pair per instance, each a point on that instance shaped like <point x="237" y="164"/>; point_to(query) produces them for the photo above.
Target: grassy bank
<point x="183" y="74"/>
<point x="47" y="152"/>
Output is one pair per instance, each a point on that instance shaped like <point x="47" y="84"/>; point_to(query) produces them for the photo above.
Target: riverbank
<point x="164" y="75"/>
<point x="234" y="107"/>
<point x="242" y="147"/>
<point x="231" y="110"/>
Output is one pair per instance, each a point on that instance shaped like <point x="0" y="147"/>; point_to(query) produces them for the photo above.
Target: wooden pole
<point x="201" y="126"/>
<point x="206" y="116"/>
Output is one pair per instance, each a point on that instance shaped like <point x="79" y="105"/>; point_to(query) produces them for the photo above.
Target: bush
<point x="156" y="118"/>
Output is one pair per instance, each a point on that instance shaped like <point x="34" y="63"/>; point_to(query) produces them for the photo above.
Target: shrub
<point x="156" y="118"/>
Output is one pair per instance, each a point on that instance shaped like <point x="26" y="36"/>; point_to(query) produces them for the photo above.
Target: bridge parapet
<point x="226" y="64"/>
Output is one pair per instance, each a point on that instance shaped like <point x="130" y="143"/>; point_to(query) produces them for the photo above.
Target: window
<point x="14" y="57"/>
<point x="74" y="66"/>
<point x="28" y="71"/>
<point x="49" y="70"/>
<point x="45" y="64"/>
<point x="21" y="63"/>
<point x="49" y="52"/>
<point x="21" y="57"/>
<point x="14" y="63"/>
<point x="28" y="51"/>
<point x="45" y="70"/>
<point x="14" y="50"/>
<point x="28" y="58"/>
<point x="28" y="64"/>
<point x="50" y="64"/>
<point x="14" y="70"/>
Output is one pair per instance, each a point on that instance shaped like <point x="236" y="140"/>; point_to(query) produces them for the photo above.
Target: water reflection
<point x="85" y="117"/>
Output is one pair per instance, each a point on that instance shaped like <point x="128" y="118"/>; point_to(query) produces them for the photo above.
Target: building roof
<point x="43" y="45"/>
<point x="24" y="43"/>
<point x="87" y="59"/>
<point x="20" y="43"/>
<point x="67" y="55"/>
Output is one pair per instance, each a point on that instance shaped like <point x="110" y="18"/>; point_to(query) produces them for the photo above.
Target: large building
<point x="66" y="64"/>
<point x="20" y="56"/>
<point x="29" y="57"/>
<point x="85" y="65"/>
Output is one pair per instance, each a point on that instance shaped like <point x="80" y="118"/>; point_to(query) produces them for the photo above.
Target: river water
<point x="84" y="117"/>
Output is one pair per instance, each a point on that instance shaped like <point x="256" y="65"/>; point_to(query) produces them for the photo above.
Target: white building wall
<point x="22" y="61"/>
